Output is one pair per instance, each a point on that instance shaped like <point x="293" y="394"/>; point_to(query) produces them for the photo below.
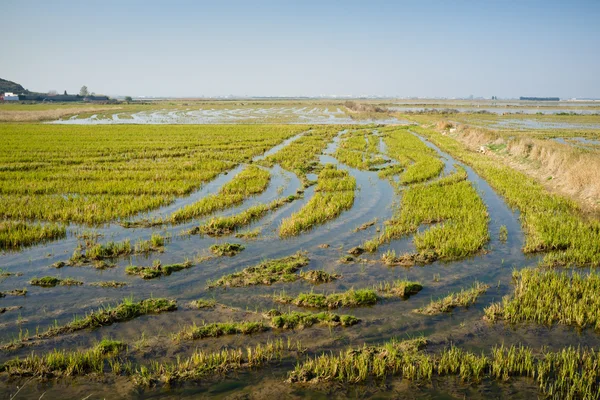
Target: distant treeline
<point x="540" y="98"/>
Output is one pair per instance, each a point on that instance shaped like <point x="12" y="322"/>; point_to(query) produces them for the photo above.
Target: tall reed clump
<point x="333" y="195"/>
<point x="549" y="297"/>
<point x="570" y="373"/>
<point x="251" y="181"/>
<point x="14" y="235"/>
<point x="552" y="223"/>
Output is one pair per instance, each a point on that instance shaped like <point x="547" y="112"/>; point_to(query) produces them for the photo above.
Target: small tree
<point x="128" y="99"/>
<point x="83" y="92"/>
<point x="65" y="92"/>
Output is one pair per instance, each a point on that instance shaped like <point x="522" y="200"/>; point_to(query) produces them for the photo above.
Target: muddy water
<point x="150" y="335"/>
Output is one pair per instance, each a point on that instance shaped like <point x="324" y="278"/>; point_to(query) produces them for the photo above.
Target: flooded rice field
<point x="376" y="160"/>
<point x="242" y="115"/>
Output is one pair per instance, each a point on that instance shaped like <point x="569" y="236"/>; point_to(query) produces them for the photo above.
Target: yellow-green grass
<point x="333" y="195"/>
<point x="419" y="161"/>
<point x="552" y="223"/>
<point x="359" y="149"/>
<point x="96" y="174"/>
<point x="301" y="156"/>
<point x="464" y="298"/>
<point x="266" y="273"/>
<point x="14" y="235"/>
<point x="219" y="226"/>
<point x="251" y="181"/>
<point x="549" y="297"/>
<point x="455" y="206"/>
<point x="62" y="363"/>
<point x="570" y="373"/>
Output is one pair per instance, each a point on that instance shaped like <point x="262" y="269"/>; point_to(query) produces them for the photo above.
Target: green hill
<point x="12" y="87"/>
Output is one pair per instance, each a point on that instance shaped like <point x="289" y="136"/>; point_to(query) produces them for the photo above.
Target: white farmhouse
<point x="10" y="97"/>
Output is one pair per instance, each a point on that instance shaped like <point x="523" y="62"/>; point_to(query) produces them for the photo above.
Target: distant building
<point x="540" y="98"/>
<point x="94" y="99"/>
<point x="8" y="96"/>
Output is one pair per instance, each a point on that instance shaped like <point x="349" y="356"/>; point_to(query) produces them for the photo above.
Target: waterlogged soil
<point x="150" y="336"/>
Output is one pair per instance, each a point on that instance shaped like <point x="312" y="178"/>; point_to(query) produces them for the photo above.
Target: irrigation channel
<point x="375" y="198"/>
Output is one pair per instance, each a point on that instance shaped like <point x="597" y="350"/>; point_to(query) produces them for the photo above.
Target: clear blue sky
<point x="304" y="47"/>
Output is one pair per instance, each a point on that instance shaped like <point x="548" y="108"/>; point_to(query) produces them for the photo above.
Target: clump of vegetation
<point x="464" y="298"/>
<point x="109" y="284"/>
<point x="62" y="363"/>
<point x="549" y="297"/>
<point x="318" y="276"/>
<point x="217" y="329"/>
<point x="5" y="274"/>
<point x="347" y="259"/>
<point x="333" y="195"/>
<point x="220" y="226"/>
<point x="108" y="315"/>
<point x="462" y="218"/>
<point x="293" y="320"/>
<point x="265" y="273"/>
<point x="350" y="298"/>
<point x="408" y="259"/>
<point x="15" y="292"/>
<point x="251" y="181"/>
<point x="503" y="235"/>
<point x="98" y="253"/>
<point x="204" y="303"/>
<point x="51" y="281"/>
<point x="157" y="269"/>
<point x="202" y="363"/>
<point x="568" y="373"/>
<point x="227" y="249"/>
<point x="14" y="235"/>
<point x="399" y="288"/>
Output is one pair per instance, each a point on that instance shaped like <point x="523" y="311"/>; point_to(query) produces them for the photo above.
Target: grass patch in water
<point x="464" y="298"/>
<point x="249" y="182"/>
<point x="300" y="320"/>
<point x="266" y="273"/>
<point x="109" y="284"/>
<point x="333" y="195"/>
<point x="549" y="297"/>
<point x="568" y="373"/>
<point x="399" y="288"/>
<point x="157" y="269"/>
<point x="51" y="281"/>
<point x="227" y="249"/>
<point x="350" y="298"/>
<point x="203" y="303"/>
<point x="220" y="226"/>
<point x="15" y="235"/>
<point x="62" y="363"/>
<point x="217" y="329"/>
<point x="14" y="292"/>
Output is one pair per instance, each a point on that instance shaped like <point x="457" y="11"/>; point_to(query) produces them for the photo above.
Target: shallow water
<point x="375" y="198"/>
<point x="289" y="115"/>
